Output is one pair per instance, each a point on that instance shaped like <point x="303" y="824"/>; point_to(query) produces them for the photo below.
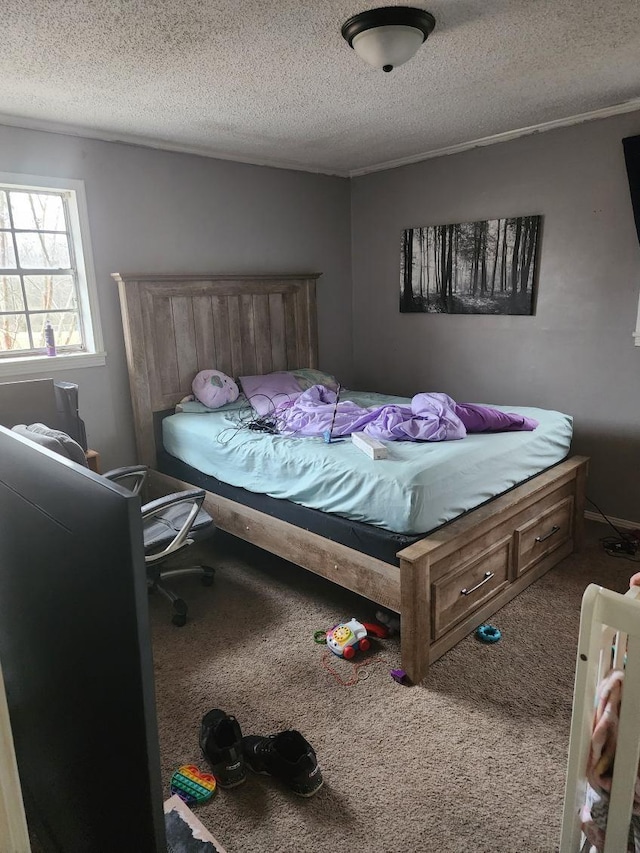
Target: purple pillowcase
<point x="268" y="391"/>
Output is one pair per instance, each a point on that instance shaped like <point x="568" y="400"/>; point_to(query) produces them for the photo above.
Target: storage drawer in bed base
<point x="474" y="566"/>
<point x="540" y="536"/>
<point x="477" y="581"/>
<point x="477" y="573"/>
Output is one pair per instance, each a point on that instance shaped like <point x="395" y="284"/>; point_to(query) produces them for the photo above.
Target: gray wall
<point x="155" y="211"/>
<point x="159" y="211"/>
<point x="577" y="353"/>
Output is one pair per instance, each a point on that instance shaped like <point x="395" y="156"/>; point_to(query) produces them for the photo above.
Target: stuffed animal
<point x="214" y="388"/>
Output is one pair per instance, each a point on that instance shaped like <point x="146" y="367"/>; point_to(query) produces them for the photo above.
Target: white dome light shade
<point x="387" y="46"/>
<point x="388" y="36"/>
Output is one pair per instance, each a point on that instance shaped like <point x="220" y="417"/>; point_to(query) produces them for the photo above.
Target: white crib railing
<point x="608" y="621"/>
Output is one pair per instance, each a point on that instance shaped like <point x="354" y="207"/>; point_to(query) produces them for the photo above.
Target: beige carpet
<point x="474" y="760"/>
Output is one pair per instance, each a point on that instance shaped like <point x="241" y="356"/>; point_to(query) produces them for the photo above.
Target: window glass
<point x="38" y="211"/>
<point x="7" y="253"/>
<point x="45" y="272"/>
<point x="66" y="330"/>
<point x="13" y="332"/>
<point x="11" y="293"/>
<point x="40" y="250"/>
<point x="4" y="211"/>
<point x="46" y="292"/>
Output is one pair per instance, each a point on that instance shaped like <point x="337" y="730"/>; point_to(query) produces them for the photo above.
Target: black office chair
<point x="170" y="523"/>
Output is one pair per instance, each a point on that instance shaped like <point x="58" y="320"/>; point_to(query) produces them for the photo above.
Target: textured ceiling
<point x="272" y="81"/>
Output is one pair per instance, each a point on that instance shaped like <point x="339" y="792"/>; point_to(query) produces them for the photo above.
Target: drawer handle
<point x="487" y="577"/>
<point x="548" y="535"/>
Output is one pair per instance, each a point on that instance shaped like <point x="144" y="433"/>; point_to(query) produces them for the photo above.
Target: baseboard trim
<point x="617" y="522"/>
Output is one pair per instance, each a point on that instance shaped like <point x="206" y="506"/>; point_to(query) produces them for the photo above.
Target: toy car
<point x="347" y="638"/>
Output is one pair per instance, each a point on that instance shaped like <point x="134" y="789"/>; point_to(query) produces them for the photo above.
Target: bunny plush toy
<point x="214" y="388"/>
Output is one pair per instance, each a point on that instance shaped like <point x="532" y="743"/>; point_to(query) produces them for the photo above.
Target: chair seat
<point x="161" y="529"/>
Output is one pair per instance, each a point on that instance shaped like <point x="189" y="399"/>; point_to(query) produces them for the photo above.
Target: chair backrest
<point x="169" y="523"/>
<point x="131" y="477"/>
<point x="53" y="439"/>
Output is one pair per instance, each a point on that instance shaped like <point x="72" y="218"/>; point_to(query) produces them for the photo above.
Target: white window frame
<point x="93" y="354"/>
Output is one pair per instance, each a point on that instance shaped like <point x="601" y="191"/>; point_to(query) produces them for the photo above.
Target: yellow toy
<point x="347" y="638"/>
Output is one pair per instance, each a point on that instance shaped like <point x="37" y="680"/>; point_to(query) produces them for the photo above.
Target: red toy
<point x="347" y="638"/>
<point x="381" y="632"/>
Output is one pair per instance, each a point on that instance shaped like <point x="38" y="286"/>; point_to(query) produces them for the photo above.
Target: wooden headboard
<point x="177" y="325"/>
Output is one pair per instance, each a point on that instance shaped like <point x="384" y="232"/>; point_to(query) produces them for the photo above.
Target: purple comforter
<point x="429" y="417"/>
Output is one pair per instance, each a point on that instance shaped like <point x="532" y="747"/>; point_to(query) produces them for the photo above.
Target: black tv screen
<point x="76" y="654"/>
<point x="632" y="159"/>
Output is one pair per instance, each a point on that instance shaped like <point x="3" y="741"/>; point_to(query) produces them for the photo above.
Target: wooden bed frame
<point x="447" y="583"/>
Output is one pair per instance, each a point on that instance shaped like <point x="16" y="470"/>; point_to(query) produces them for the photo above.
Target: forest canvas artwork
<point x="485" y="267"/>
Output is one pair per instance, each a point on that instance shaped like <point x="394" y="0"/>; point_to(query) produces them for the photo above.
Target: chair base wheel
<point x="208" y="577"/>
<point x="180" y="611"/>
<point x="180" y="607"/>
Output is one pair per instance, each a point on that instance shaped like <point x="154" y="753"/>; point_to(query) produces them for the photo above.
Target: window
<point x="45" y="274"/>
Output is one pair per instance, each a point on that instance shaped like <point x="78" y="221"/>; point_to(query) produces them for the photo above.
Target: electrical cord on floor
<point x="623" y="545"/>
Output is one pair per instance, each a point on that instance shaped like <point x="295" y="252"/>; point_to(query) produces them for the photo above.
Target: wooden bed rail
<point x="436" y="562"/>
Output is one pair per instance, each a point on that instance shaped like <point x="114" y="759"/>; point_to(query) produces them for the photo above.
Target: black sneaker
<point x="287" y="756"/>
<point x="220" y="742"/>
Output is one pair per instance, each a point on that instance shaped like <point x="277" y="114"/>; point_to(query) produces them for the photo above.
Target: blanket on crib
<point x="429" y="417"/>
<point x="600" y="769"/>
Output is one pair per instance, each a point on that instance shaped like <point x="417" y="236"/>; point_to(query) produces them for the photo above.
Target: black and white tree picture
<point x="485" y="267"/>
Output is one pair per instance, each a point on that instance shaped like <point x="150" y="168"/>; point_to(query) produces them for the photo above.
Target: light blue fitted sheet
<point x="419" y="487"/>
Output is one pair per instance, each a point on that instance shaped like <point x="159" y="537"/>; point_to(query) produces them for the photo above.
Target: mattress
<point x="420" y="486"/>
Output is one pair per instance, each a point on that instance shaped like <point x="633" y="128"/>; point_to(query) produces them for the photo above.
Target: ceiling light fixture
<point x="389" y="36"/>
